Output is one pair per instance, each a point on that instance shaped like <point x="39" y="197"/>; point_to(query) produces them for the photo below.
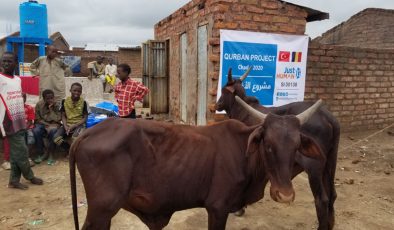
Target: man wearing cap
<point x="52" y="71"/>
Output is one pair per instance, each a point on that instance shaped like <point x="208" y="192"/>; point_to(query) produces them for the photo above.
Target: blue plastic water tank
<point x="33" y="20"/>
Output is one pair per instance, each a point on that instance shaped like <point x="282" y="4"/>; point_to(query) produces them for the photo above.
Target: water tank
<point x="33" y="20"/>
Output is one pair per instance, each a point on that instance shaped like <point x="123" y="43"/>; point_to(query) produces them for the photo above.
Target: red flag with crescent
<point x="284" y="56"/>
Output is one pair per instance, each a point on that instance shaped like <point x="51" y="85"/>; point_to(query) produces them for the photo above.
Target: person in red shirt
<point x="127" y="92"/>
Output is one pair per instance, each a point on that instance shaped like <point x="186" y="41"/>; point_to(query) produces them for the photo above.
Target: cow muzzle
<point x="219" y="105"/>
<point x="286" y="196"/>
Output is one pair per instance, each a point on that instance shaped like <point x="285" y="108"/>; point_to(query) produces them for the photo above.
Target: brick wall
<point x="356" y="84"/>
<point x="370" y="28"/>
<point x="89" y="56"/>
<point x="131" y="56"/>
<point x="250" y="15"/>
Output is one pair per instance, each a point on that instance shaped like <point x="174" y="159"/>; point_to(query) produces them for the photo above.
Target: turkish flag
<point x="284" y="56"/>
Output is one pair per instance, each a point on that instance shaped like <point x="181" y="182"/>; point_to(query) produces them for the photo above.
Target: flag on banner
<point x="296" y="56"/>
<point x="284" y="56"/>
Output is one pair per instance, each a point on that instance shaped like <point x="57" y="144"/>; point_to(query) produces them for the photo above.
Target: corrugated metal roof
<point x="313" y="15"/>
<point x="107" y="47"/>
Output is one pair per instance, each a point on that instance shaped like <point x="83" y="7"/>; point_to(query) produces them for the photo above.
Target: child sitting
<point x="30" y="116"/>
<point x="74" y="112"/>
<point x="47" y="122"/>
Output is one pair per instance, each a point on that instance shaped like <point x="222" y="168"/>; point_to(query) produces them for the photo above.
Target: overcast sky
<point x="131" y="21"/>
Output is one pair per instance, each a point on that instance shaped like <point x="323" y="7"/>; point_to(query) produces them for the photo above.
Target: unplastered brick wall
<point x="130" y="56"/>
<point x="248" y="15"/>
<point x="370" y="28"/>
<point x="88" y="56"/>
<point x="356" y="84"/>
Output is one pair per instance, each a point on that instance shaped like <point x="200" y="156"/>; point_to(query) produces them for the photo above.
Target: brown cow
<point x="154" y="169"/>
<point x="322" y="127"/>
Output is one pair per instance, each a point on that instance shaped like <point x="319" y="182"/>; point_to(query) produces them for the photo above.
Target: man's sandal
<point x="36" y="181"/>
<point x="17" y="185"/>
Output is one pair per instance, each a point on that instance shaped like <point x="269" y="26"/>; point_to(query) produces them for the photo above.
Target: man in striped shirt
<point x="127" y="92"/>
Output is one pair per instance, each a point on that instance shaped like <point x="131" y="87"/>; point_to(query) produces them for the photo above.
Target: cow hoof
<point x="240" y="212"/>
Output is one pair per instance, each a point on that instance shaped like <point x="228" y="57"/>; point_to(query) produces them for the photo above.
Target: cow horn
<point x="304" y="116"/>
<point x="229" y="75"/>
<point x="252" y="111"/>
<point x="246" y="73"/>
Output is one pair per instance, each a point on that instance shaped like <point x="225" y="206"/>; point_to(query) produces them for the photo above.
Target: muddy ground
<point x="364" y="182"/>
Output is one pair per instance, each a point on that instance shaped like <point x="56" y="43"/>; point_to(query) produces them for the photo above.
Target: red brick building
<point x="351" y="66"/>
<point x="192" y="35"/>
<point x="356" y="80"/>
<point x="31" y="51"/>
<point x="370" y="28"/>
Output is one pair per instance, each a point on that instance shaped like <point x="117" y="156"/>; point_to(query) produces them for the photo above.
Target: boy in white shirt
<point x="110" y="73"/>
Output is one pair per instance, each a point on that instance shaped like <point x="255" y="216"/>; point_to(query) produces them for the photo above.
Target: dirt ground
<point x="364" y="182"/>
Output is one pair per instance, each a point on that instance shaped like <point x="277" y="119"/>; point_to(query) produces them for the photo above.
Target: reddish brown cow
<point x="154" y="169"/>
<point x="322" y="128"/>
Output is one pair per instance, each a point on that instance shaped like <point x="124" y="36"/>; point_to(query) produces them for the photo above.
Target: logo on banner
<point x="290" y="73"/>
<point x="285" y="56"/>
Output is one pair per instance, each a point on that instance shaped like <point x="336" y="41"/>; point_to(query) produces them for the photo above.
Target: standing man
<point x="14" y="123"/>
<point x="51" y="70"/>
<point x="97" y="70"/>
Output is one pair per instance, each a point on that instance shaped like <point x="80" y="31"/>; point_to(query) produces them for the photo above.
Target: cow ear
<point x="254" y="141"/>
<point x="230" y="88"/>
<point x="310" y="148"/>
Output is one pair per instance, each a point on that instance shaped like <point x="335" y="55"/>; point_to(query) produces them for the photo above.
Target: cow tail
<point x="73" y="182"/>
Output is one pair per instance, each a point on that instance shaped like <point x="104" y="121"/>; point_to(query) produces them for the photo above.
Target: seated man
<point x="47" y="122"/>
<point x="97" y="70"/>
<point x="110" y="73"/>
<point x="30" y="117"/>
<point x="74" y="112"/>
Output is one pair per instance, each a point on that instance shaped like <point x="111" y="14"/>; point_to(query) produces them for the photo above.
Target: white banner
<point x="279" y="64"/>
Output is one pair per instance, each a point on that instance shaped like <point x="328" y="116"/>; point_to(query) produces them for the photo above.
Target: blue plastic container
<point x="33" y="20"/>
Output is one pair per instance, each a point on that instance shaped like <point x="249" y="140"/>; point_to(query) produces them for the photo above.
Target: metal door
<point x="155" y="75"/>
<point x="202" y="71"/>
<point x="183" y="72"/>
